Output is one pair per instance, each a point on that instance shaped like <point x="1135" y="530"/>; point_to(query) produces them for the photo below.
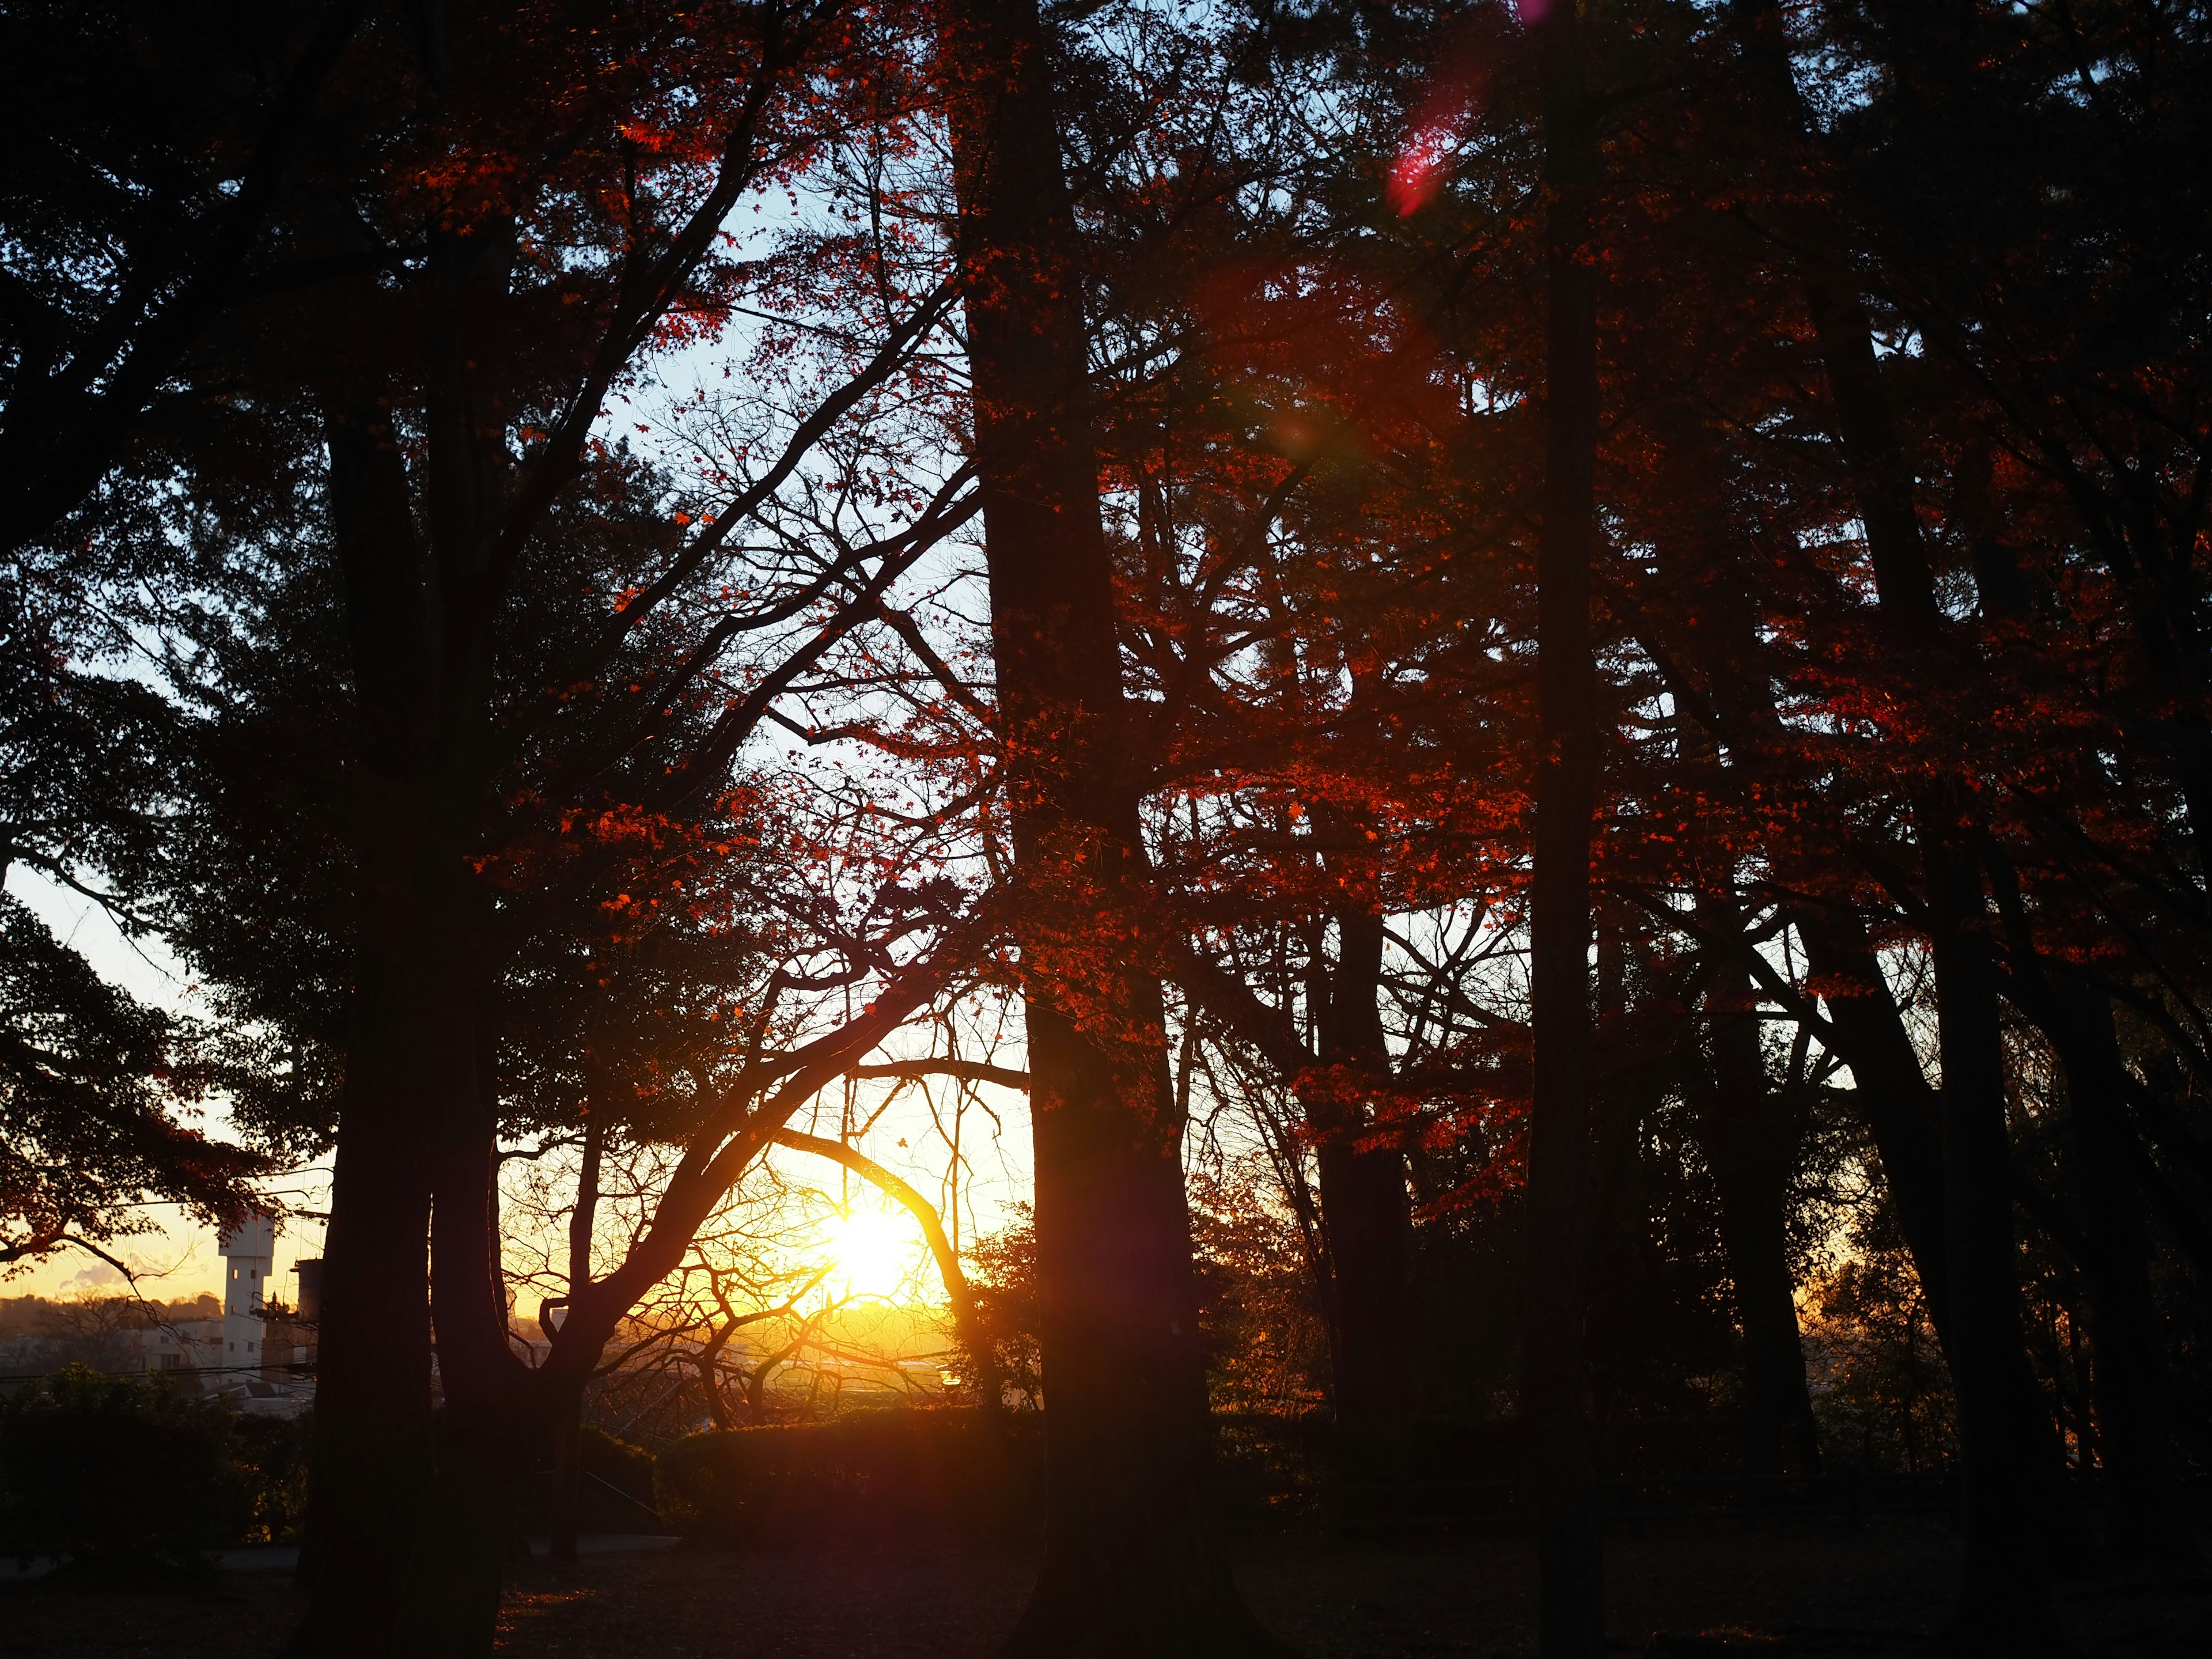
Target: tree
<point x="1133" y="1558"/>
<point x="160" y="153"/>
<point x="91" y="1085"/>
<point x="506" y="737"/>
<point x="1470" y="497"/>
<point x="1554" y="1389"/>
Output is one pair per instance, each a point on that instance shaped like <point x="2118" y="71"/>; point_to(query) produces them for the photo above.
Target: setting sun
<point x="874" y="1250"/>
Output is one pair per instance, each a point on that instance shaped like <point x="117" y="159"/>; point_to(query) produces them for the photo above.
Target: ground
<point x="1824" y="1593"/>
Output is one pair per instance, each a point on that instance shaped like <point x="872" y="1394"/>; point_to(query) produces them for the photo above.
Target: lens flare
<point x="1441" y="122"/>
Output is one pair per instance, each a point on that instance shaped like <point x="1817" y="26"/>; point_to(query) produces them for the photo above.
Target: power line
<point x="298" y="1368"/>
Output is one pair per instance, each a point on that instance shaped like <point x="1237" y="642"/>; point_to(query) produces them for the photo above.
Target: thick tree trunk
<point x="1555" y="1409"/>
<point x="2009" y="1458"/>
<point x="569" y="1472"/>
<point x="488" y="1428"/>
<point x="1368" y="1222"/>
<point x="1133" y="1562"/>
<point x="2131" y="1434"/>
<point x="2146" y="1512"/>
<point x="420" y="681"/>
<point x="428" y="1582"/>
<point x="2013" y="1501"/>
<point x="430" y="1585"/>
<point x="1751" y="1143"/>
<point x="1892" y="1095"/>
<point x="371" y="1457"/>
<point x="372" y="1460"/>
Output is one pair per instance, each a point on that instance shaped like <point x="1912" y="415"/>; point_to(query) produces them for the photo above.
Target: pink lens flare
<point x="1419" y="171"/>
<point x="1440" y="122"/>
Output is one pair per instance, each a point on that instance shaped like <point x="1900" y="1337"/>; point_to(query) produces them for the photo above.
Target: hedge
<point x="127" y="1474"/>
<point x="949" y="1472"/>
<point x="869" y="1475"/>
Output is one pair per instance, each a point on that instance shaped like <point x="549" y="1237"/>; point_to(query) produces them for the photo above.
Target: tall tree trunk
<point x="568" y="1418"/>
<point x="2014" y="1502"/>
<point x="2009" y="1458"/>
<point x="371" y="1461"/>
<point x="371" y="1456"/>
<point x="1894" y="1101"/>
<point x="2010" y="1461"/>
<point x="2146" y="1512"/>
<point x="1555" y="1381"/>
<point x="1367" y="1219"/>
<point x="1751" y="1143"/>
<point x="488" y="1428"/>
<point x="430" y="1586"/>
<point x="1891" y="1095"/>
<point x="1134" y="1562"/>
<point x="422" y="677"/>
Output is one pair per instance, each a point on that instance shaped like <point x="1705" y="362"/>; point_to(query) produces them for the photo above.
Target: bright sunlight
<point x="875" y="1251"/>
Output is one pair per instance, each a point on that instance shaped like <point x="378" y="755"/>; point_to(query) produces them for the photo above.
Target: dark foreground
<point x="1824" y="1593"/>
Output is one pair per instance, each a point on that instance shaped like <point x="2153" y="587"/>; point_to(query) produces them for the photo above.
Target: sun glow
<point x="874" y="1250"/>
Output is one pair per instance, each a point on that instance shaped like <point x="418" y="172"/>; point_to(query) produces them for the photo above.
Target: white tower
<point x="249" y="1252"/>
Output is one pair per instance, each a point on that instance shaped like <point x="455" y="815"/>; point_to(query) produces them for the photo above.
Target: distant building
<point x="110" y="1334"/>
<point x="249" y="1257"/>
<point x="260" y="1342"/>
<point x="193" y="1345"/>
<point x="249" y="1346"/>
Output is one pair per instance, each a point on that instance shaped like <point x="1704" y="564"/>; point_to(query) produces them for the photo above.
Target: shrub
<point x="869" y="1474"/>
<point x="272" y="1455"/>
<point x="1271" y="1469"/>
<point x="617" y="1492"/>
<point x="119" y="1474"/>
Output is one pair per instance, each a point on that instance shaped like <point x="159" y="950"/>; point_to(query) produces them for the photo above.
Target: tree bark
<point x="569" y="1422"/>
<point x="1134" y="1561"/>
<point x="493" y="1419"/>
<point x="488" y="1426"/>
<point x="1894" y="1101"/>
<point x="2146" y="1512"/>
<point x="1366" y="1220"/>
<point x="1555" y="1409"/>
<point x="421" y="681"/>
<point x="1751" y="1143"/>
<point x="372" y="1458"/>
<point x="568" y="1473"/>
<point x="1891" y="1095"/>
<point x="2009" y="1458"/>
<point x="2013" y="1501"/>
<point x="371" y="1455"/>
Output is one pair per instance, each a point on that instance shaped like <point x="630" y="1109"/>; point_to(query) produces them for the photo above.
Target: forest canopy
<point x="1524" y="687"/>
